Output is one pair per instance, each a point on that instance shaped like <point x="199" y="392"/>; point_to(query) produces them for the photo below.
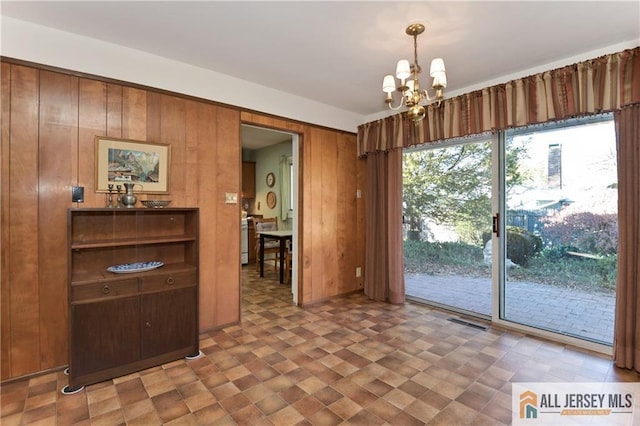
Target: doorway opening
<point x="273" y="157"/>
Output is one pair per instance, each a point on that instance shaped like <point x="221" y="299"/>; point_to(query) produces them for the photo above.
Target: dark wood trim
<point x="32" y="375"/>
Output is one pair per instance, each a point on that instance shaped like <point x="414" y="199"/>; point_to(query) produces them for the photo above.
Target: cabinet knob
<point x="105" y="289"/>
<point x="147" y="324"/>
<point x="170" y="281"/>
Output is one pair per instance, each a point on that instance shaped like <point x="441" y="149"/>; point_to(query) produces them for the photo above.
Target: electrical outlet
<point x="231" y="197"/>
<point x="358" y="194"/>
<point x="358" y="272"/>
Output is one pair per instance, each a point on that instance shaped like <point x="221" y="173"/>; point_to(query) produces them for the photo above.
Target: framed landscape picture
<point x="146" y="164"/>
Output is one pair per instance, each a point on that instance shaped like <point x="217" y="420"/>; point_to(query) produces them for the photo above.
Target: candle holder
<point x="110" y="196"/>
<point x="119" y="188"/>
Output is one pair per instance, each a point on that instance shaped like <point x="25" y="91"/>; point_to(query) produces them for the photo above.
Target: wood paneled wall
<point x="49" y="122"/>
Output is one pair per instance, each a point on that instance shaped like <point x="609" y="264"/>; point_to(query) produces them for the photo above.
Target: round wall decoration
<point x="271" y="199"/>
<point x="271" y="180"/>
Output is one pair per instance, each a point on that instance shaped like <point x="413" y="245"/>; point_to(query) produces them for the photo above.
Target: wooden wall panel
<point x="48" y="130"/>
<point x="361" y="184"/>
<point x="346" y="214"/>
<point x="201" y="124"/>
<point x="23" y="218"/>
<point x="154" y="116"/>
<point x="306" y="249"/>
<point x="313" y="248"/>
<point x="57" y="172"/>
<point x="271" y="122"/>
<point x="227" y="225"/>
<point x="328" y="203"/>
<point x="134" y="114"/>
<point x="172" y="132"/>
<point x="114" y="111"/>
<point x="192" y="132"/>
<point x="5" y="252"/>
<point x="92" y="121"/>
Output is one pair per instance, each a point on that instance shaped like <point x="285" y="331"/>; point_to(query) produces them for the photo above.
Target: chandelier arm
<point x="399" y="105"/>
<point x="425" y="96"/>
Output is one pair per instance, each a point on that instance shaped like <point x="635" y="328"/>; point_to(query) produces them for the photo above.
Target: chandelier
<point x="409" y="87"/>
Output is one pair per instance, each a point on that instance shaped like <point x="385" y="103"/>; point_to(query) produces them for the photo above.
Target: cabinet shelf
<point x="76" y="245"/>
<point x="120" y="323"/>
<point x="102" y="275"/>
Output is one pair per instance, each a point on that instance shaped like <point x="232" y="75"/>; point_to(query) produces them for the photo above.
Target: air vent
<point x="468" y="324"/>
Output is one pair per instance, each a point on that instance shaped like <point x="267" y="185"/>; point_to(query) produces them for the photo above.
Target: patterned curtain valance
<point x="603" y="84"/>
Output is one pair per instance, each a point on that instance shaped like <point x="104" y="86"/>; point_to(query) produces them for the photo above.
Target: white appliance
<point x="244" y="241"/>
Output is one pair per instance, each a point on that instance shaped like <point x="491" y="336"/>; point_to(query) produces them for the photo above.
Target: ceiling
<point x="336" y="53"/>
<point x="253" y="137"/>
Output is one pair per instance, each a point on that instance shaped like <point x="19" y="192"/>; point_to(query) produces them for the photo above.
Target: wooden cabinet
<point x="248" y="179"/>
<point x="124" y="322"/>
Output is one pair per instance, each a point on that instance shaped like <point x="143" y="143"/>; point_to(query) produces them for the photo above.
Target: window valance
<point x="603" y="84"/>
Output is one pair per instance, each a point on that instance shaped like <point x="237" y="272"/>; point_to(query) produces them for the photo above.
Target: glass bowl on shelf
<point x="155" y="204"/>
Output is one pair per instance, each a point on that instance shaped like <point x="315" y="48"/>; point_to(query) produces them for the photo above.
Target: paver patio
<point x="568" y="311"/>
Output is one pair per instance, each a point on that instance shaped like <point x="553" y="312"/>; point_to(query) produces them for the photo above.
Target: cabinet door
<point x="248" y="179"/>
<point x="104" y="335"/>
<point x="169" y="321"/>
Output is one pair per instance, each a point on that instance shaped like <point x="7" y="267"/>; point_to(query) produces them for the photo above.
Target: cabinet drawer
<point x="102" y="290"/>
<point x="168" y="281"/>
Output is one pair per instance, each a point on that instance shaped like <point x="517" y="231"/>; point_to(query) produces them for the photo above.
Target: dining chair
<point x="288" y="262"/>
<point x="270" y="246"/>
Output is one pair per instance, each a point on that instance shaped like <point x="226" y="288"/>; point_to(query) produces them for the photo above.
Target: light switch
<point x="231" y="197"/>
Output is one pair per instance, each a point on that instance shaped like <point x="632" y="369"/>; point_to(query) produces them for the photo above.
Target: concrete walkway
<point x="568" y="311"/>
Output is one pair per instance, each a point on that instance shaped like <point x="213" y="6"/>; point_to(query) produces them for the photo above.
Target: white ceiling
<point x="253" y="137"/>
<point x="336" y="52"/>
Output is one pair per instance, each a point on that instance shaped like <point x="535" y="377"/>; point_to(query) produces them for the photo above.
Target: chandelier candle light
<point x="412" y="96"/>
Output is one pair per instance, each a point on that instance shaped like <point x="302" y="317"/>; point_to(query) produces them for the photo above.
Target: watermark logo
<point x="528" y="405"/>
<point x="575" y="403"/>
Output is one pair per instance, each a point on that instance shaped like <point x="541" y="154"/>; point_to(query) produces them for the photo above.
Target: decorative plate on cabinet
<point x="129" y="268"/>
<point x="271" y="199"/>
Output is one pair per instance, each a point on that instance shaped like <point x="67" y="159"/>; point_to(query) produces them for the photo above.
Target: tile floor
<point x="345" y="361"/>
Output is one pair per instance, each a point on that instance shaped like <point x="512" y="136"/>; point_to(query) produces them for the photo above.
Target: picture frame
<point x="147" y="164"/>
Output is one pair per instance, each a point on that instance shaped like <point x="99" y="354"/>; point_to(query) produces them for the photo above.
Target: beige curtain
<point x="384" y="261"/>
<point x="603" y="84"/>
<point x="626" y="346"/>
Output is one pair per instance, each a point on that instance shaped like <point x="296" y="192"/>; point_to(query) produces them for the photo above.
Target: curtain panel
<point x="626" y="346"/>
<point x="598" y="85"/>
<point x="384" y="261"/>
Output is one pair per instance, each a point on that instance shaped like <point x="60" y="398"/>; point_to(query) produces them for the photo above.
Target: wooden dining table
<point x="282" y="236"/>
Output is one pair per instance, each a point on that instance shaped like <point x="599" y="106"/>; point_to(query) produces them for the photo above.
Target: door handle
<point x="496" y="225"/>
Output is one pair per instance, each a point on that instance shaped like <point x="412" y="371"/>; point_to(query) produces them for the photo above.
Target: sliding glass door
<point x="447" y="213"/>
<point x="518" y="227"/>
<point x="561" y="229"/>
